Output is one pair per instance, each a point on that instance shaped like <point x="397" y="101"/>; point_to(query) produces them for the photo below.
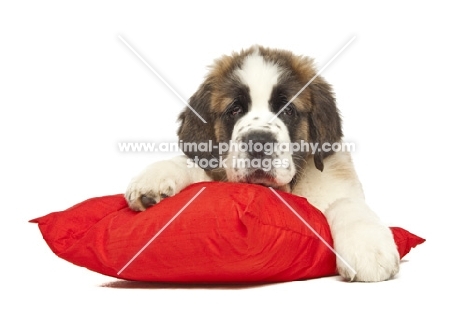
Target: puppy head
<point x="256" y="101"/>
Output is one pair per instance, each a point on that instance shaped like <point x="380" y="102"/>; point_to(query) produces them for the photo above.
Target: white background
<point x="70" y="90"/>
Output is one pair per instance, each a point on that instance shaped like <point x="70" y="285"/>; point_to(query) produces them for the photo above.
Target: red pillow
<point x="210" y="232"/>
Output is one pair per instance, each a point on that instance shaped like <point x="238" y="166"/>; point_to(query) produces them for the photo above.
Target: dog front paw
<point x="368" y="253"/>
<point x="160" y="180"/>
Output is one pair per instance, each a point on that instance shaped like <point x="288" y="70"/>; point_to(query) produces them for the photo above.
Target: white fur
<point x="260" y="76"/>
<point x="360" y="238"/>
<point x="163" y="178"/>
<point x="257" y="121"/>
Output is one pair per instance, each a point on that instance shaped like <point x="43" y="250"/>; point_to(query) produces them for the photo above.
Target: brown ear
<point x="193" y="132"/>
<point x="325" y="119"/>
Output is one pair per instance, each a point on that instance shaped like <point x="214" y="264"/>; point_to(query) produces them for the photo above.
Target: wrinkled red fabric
<point x="231" y="232"/>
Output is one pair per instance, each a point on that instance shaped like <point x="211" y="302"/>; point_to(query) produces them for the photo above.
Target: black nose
<point x="257" y="143"/>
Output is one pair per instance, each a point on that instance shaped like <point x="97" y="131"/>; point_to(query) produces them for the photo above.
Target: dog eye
<point x="288" y="110"/>
<point x="235" y="110"/>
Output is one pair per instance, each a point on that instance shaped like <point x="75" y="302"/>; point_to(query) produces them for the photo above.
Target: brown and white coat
<point x="239" y="100"/>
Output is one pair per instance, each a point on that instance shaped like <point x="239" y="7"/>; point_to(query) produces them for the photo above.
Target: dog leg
<point x="366" y="245"/>
<point x="160" y="180"/>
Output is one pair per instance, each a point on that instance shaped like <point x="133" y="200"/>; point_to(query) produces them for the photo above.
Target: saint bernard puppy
<point x="262" y="97"/>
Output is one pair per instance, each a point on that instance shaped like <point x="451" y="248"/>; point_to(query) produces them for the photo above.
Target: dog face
<point x="244" y="100"/>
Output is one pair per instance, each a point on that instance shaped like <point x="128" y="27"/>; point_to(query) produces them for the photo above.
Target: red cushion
<point x="229" y="233"/>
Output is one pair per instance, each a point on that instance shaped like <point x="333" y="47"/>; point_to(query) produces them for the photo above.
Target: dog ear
<point x="325" y="119"/>
<point x="196" y="135"/>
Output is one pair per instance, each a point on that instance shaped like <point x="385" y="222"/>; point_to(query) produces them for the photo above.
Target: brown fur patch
<point x="318" y="120"/>
<point x="303" y="130"/>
